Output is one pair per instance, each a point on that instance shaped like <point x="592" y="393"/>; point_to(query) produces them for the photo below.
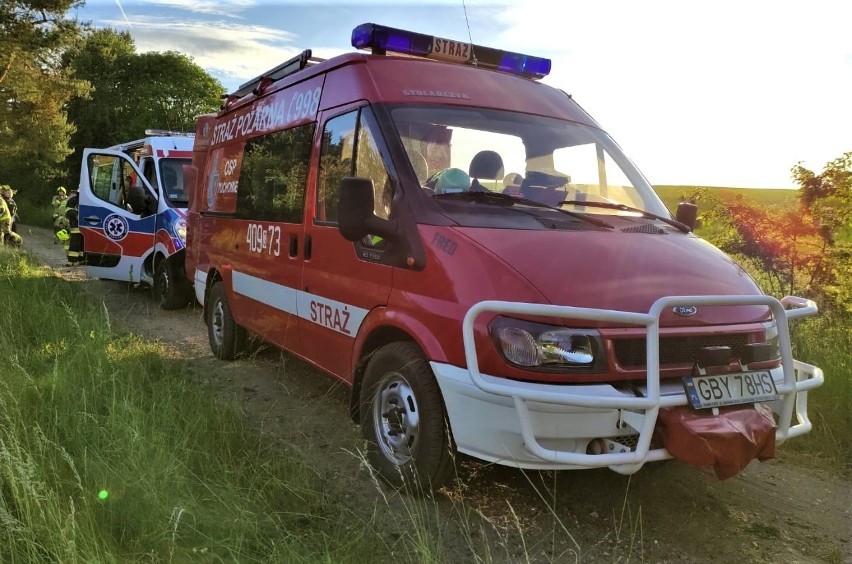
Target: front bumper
<point x="546" y="426"/>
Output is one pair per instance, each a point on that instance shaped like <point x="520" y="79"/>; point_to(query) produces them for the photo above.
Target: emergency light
<point x="382" y="39"/>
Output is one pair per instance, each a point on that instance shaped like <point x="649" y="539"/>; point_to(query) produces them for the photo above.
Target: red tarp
<point x="728" y="441"/>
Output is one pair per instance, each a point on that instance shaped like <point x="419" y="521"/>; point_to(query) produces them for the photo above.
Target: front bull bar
<point x="641" y="413"/>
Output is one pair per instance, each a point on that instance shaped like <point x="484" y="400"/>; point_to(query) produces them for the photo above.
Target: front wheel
<point x="170" y="289"/>
<point x="403" y="420"/>
<point x="227" y="339"/>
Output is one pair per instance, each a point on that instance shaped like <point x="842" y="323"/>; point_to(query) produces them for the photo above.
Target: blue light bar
<point x="381" y="39"/>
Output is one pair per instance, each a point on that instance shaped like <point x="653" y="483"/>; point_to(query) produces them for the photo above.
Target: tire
<point x="227" y="339"/>
<point x="404" y="422"/>
<point x="170" y="289"/>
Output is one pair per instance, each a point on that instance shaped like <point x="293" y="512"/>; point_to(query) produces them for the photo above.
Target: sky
<point x="709" y="93"/>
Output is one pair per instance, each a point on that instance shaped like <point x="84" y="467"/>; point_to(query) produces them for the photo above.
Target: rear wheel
<point x="227" y="339"/>
<point x="403" y="420"/>
<point x="170" y="289"/>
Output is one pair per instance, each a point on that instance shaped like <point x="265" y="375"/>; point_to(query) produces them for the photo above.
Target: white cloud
<point x="228" y="8"/>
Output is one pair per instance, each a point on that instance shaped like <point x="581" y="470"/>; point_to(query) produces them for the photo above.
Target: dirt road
<point x="777" y="511"/>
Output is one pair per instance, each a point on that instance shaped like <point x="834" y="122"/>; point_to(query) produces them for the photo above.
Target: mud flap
<point x="727" y="441"/>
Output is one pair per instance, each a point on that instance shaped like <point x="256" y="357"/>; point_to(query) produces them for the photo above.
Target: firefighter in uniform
<point x="8" y="195"/>
<point x="74" y="244"/>
<point x="6" y="233"/>
<point x="60" y="223"/>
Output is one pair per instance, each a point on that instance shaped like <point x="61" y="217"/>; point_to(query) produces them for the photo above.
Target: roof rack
<point x="257" y="84"/>
<point x="167" y="133"/>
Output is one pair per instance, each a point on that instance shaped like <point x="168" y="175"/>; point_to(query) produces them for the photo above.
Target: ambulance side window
<point x="101" y="170"/>
<point x="273" y="174"/>
<point x="349" y="149"/>
<point x="150" y="172"/>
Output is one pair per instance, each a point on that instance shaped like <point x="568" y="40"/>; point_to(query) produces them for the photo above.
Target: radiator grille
<point x="675" y="350"/>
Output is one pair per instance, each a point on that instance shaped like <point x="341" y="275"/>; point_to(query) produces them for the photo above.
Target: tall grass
<point x="827" y="342"/>
<point x="110" y="452"/>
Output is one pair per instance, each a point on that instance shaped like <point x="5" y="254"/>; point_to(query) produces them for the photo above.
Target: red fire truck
<point x="468" y="250"/>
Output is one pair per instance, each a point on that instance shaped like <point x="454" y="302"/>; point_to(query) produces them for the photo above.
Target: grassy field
<point x="671" y="195"/>
<point x="110" y="452"/>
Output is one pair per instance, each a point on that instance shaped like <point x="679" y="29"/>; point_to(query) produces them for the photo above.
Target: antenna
<point x="469" y="36"/>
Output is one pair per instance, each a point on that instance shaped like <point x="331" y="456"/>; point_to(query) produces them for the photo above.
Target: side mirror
<point x="687" y="213"/>
<point x="355" y="217"/>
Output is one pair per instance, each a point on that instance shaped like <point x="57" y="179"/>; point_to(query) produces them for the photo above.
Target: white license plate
<point x="730" y="389"/>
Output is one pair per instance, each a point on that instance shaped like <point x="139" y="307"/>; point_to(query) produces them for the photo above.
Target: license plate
<point x="729" y="389"/>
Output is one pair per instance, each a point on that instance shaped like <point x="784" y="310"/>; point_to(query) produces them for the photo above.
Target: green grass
<point x="671" y="194"/>
<point x="826" y="342"/>
<point x="86" y="409"/>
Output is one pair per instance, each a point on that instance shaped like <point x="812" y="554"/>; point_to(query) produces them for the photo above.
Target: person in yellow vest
<point x="59" y="220"/>
<point x="74" y="244"/>
<point x="8" y="194"/>
<point x="6" y="233"/>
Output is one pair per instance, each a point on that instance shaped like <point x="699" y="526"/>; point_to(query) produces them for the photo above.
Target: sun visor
<point x="727" y="441"/>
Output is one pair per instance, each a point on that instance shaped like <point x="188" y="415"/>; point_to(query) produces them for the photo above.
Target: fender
<point x="382" y="317"/>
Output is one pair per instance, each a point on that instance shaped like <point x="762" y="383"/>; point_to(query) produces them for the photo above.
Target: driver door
<point x="116" y="240"/>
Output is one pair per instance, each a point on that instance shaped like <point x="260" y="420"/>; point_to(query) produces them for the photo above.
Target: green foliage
<point x="133" y="92"/>
<point x="825" y="341"/>
<point x="34" y="89"/>
<point x="799" y="246"/>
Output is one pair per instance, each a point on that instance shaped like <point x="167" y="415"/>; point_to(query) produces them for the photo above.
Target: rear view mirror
<point x="687" y="213"/>
<point x="355" y="214"/>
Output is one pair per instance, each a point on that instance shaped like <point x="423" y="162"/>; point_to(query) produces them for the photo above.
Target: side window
<point x="101" y="168"/>
<point x="149" y="172"/>
<point x="273" y="175"/>
<point x="349" y="148"/>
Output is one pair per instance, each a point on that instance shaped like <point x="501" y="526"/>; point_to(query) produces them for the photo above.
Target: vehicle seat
<point x="487" y="165"/>
<point x="545" y="188"/>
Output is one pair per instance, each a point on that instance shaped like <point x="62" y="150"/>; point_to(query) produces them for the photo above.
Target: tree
<point x="168" y="90"/>
<point x="101" y="59"/>
<point x="829" y="194"/>
<point x="134" y="92"/>
<point x="801" y="249"/>
<point x="34" y="88"/>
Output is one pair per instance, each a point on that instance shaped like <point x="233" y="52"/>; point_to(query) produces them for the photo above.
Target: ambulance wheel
<point x="403" y="420"/>
<point x="170" y="289"/>
<point x="227" y="339"/>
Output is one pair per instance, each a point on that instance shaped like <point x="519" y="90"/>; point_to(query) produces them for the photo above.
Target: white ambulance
<point x="133" y="213"/>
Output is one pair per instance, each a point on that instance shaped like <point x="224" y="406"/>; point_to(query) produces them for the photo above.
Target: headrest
<point x="487" y="165"/>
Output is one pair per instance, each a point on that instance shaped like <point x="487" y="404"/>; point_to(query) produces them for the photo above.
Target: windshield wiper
<point x="508" y="200"/>
<point x="623" y="207"/>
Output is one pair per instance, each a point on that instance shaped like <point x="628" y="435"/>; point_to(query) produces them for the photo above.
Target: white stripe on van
<point x="264" y="291"/>
<point x="338" y="316"/>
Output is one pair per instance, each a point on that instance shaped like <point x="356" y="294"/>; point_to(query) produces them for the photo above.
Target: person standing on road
<point x="6" y="233"/>
<point x="8" y="195"/>
<point x="74" y="244"/>
<point x="58" y="203"/>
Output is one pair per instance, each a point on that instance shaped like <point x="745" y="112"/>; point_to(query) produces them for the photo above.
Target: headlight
<point x="180" y="229"/>
<point x="536" y="345"/>
<point x="770" y="331"/>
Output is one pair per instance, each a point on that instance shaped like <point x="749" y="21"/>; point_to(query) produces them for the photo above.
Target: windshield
<point x="174" y="188"/>
<point x="559" y="163"/>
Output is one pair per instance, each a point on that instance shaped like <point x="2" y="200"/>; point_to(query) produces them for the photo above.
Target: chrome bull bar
<point x="641" y="413"/>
